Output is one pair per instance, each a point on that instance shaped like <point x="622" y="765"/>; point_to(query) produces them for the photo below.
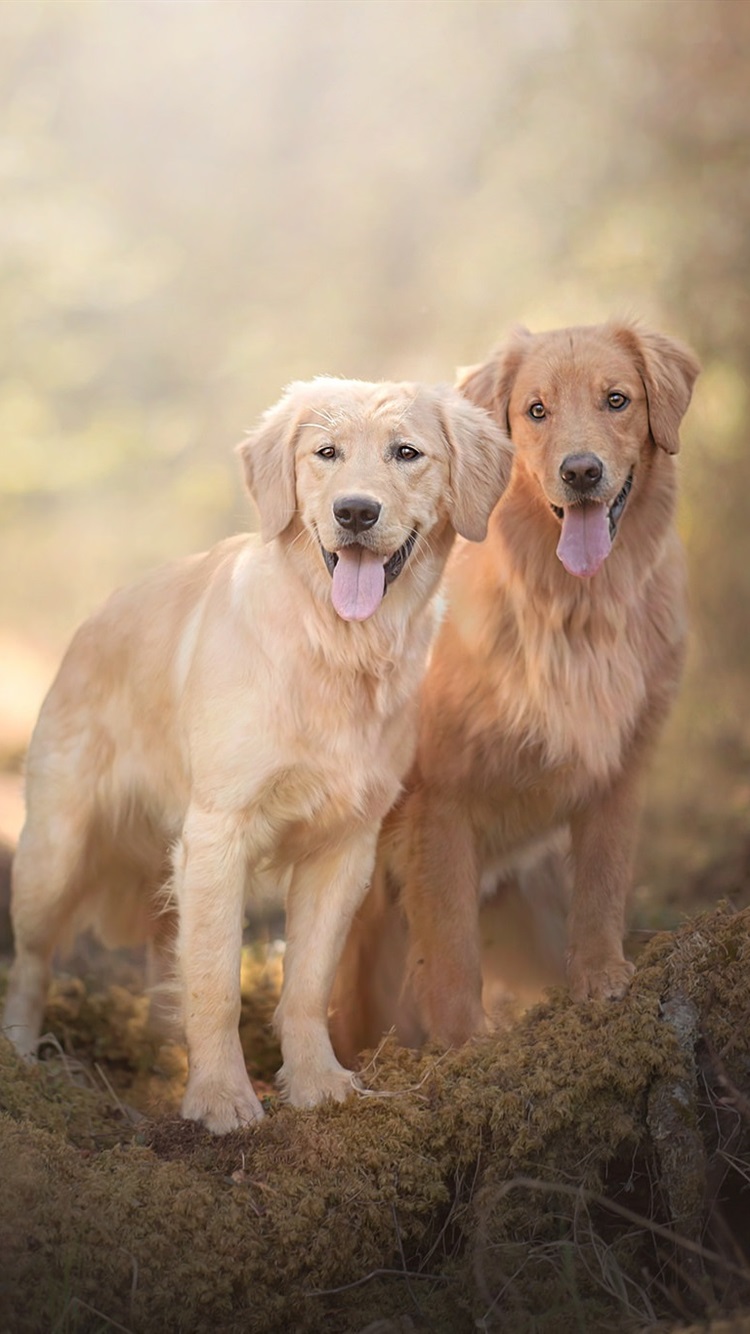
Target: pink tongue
<point x="358" y="583"/>
<point x="584" y="542"/>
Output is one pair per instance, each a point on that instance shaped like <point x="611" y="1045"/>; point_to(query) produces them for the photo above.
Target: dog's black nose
<point x="355" y="513"/>
<point x="581" y="471"/>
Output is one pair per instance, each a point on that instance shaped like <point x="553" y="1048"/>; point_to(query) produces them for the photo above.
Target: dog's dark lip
<point x="615" y="510"/>
<point x="391" y="568"/>
<point x="330" y="558"/>
<point x="618" y="505"/>
<point x="399" y="558"/>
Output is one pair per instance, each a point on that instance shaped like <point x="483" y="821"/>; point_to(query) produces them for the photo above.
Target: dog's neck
<point x="546" y="634"/>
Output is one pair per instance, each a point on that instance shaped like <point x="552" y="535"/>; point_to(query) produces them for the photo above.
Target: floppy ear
<point x="669" y="371"/>
<point x="490" y="385"/>
<point x="268" y="464"/>
<point x="481" y="458"/>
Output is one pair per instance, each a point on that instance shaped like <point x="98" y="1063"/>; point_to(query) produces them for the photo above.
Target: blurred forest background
<point x="203" y="199"/>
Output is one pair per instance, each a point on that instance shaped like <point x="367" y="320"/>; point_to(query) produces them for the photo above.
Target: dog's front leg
<point x="209" y="885"/>
<point x="441" y="900"/>
<point x="604" y="837"/>
<point x="326" y="891"/>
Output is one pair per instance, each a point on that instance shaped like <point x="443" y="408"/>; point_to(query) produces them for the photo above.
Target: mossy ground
<point x="526" y="1183"/>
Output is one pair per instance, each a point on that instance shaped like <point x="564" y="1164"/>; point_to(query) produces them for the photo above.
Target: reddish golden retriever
<point x="251" y="712"/>
<point x="552" y="674"/>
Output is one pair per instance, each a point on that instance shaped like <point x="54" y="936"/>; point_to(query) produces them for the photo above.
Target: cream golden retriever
<point x="251" y="712"/>
<point x="550" y="679"/>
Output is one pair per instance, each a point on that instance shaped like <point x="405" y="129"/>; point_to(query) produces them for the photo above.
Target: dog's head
<point x="366" y="479"/>
<point x="588" y="410"/>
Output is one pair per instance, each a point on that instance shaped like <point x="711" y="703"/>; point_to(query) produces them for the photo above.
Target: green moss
<point x="158" y="1225"/>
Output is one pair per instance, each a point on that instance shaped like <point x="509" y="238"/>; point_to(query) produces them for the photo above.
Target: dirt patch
<point x="587" y="1169"/>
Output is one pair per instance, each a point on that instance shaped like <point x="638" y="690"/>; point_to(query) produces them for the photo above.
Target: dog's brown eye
<point x="617" y="401"/>
<point x="407" y="452"/>
<point x="537" y="411"/>
<point x="326" y="452"/>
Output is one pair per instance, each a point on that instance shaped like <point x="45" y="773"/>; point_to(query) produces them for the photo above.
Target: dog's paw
<point x="450" y="1013"/>
<point x="307" y="1084"/>
<point x="452" y="1026"/>
<point x="601" y="979"/>
<point x="221" y="1107"/>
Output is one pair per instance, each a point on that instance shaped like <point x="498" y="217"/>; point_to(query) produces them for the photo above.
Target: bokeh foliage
<point x="202" y="201"/>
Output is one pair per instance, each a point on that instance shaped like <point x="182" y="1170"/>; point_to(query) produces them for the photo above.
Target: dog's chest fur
<point x="541" y="699"/>
<point x="324" y="780"/>
<point x="309" y="744"/>
<point x="572" y="689"/>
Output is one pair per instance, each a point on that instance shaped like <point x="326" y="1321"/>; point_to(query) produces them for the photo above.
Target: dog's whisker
<point x="303" y="536"/>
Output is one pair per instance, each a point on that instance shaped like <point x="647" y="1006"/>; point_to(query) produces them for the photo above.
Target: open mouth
<point x="615" y="511"/>
<point x="361" y="577"/>
<point x="589" y="528"/>
<point x="392" y="567"/>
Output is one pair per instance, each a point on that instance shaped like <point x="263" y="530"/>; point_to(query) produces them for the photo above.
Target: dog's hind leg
<point x="441" y="900"/>
<point x="162" y="985"/>
<point x="46" y="888"/>
<point x="371" y="995"/>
